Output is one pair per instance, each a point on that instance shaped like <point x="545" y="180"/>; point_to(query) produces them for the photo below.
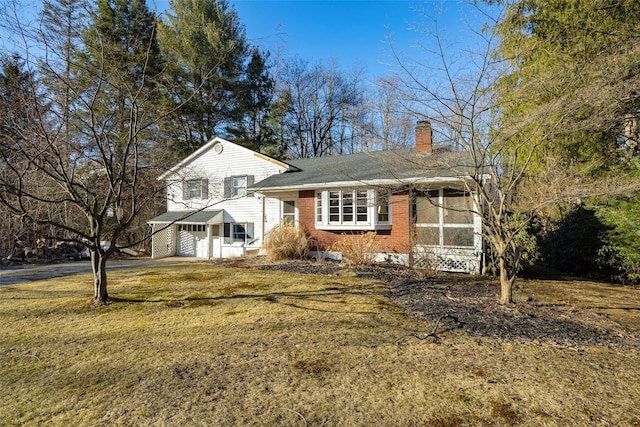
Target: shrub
<point x="286" y="242"/>
<point x="358" y="249"/>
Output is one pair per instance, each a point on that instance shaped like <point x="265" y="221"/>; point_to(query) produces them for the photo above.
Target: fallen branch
<point x="434" y="333"/>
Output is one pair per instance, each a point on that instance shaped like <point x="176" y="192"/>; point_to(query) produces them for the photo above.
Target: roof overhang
<point x="189" y="217"/>
<point x="369" y="183"/>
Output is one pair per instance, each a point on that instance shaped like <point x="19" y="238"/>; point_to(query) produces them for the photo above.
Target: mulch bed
<point x="465" y="302"/>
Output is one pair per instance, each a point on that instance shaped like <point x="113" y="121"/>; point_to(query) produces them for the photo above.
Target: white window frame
<point x="442" y="224"/>
<point x="192" y="228"/>
<point x="233" y="232"/>
<point x="290" y="218"/>
<point x="239" y="189"/>
<point x="195" y="189"/>
<point x="343" y="209"/>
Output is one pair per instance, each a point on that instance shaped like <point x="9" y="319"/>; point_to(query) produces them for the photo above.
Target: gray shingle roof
<point x="367" y="168"/>
<point x="189" y="217"/>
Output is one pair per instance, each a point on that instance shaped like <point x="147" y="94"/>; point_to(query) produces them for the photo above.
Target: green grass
<point x="200" y="345"/>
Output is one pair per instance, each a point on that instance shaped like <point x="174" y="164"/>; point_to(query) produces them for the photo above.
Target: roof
<point x="370" y="168"/>
<point x="189" y="217"/>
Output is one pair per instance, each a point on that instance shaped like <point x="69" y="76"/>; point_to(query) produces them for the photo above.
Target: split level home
<point x="224" y="200"/>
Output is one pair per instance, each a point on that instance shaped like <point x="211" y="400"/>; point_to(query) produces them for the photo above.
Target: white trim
<point x="372" y="211"/>
<point x="367" y="183"/>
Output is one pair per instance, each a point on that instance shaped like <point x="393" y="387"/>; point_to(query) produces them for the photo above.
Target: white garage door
<point x="192" y="240"/>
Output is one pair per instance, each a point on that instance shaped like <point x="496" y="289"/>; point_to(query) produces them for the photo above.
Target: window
<point x="382" y="207"/>
<point x="318" y="208"/>
<point x="289" y="212"/>
<point x="192" y="227"/>
<point x="348" y="207"/>
<point x="362" y="206"/>
<point x="195" y="189"/>
<point x="352" y="210"/>
<point x="238" y="232"/>
<point x="237" y="186"/>
<point x="443" y="218"/>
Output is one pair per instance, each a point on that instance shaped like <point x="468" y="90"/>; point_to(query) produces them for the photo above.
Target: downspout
<point x="264" y="221"/>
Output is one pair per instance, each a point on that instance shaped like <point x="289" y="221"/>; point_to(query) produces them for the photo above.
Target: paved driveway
<point x="28" y="273"/>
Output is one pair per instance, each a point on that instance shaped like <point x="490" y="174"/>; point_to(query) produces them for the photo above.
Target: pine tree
<point x="254" y="109"/>
<point x="206" y="50"/>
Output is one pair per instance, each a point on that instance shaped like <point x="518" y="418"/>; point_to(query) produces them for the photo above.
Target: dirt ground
<point x="460" y="301"/>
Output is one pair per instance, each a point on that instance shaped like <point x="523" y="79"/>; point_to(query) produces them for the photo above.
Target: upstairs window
<point x="238" y="186"/>
<point x="195" y="189"/>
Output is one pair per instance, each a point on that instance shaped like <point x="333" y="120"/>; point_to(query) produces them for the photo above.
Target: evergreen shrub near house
<point x="599" y="240"/>
<point x="286" y="242"/>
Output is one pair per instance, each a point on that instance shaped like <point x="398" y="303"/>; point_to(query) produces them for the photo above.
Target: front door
<point x="214" y="241"/>
<point x="289" y="212"/>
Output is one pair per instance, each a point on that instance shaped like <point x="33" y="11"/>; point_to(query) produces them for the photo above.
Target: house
<point x="414" y="200"/>
<point x="211" y="210"/>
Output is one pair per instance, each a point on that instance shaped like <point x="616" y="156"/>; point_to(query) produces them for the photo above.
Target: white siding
<point x="234" y="160"/>
<point x="273" y="208"/>
<point x="215" y="166"/>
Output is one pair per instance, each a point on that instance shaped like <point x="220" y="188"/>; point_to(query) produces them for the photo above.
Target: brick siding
<point x="395" y="240"/>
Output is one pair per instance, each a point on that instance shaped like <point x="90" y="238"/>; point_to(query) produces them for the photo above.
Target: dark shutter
<point x="249" y="184"/>
<point x="205" y="188"/>
<point x="227" y="187"/>
<point x="227" y="233"/>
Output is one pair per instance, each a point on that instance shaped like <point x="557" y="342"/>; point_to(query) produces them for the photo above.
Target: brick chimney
<point x="423" y="137"/>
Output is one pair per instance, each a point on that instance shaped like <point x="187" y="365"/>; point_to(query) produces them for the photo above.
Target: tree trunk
<point x="99" y="265"/>
<point x="506" y="283"/>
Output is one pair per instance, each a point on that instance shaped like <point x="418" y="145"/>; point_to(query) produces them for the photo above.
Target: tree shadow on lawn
<point x="333" y="297"/>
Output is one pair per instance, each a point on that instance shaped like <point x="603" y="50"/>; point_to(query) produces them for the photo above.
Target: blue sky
<point x="351" y="32"/>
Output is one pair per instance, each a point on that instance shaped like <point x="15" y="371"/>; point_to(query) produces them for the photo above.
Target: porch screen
<point x="443" y="218"/>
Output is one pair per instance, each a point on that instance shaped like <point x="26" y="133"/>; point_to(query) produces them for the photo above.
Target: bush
<point x="358" y="249"/>
<point x="286" y="242"/>
<point x="598" y="241"/>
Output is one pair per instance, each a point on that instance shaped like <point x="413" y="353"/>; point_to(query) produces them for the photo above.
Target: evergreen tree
<point x="255" y="98"/>
<point x="574" y="80"/>
<point x="206" y="50"/>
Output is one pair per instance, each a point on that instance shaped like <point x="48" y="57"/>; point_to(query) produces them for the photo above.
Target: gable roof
<point x="208" y="146"/>
<point x="390" y="167"/>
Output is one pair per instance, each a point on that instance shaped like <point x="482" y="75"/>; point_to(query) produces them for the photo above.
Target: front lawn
<point x="200" y="345"/>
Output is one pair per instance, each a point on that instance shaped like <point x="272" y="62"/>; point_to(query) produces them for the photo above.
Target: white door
<point x="215" y="241"/>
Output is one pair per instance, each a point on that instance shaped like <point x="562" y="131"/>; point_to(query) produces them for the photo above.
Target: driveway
<point x="10" y="275"/>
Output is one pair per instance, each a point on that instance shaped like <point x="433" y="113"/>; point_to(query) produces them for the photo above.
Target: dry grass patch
<point x="202" y="345"/>
<point x="620" y="303"/>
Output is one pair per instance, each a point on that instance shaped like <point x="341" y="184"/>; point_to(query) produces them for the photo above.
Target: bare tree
<point x="456" y="92"/>
<point x="77" y="169"/>
<point x="322" y="106"/>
